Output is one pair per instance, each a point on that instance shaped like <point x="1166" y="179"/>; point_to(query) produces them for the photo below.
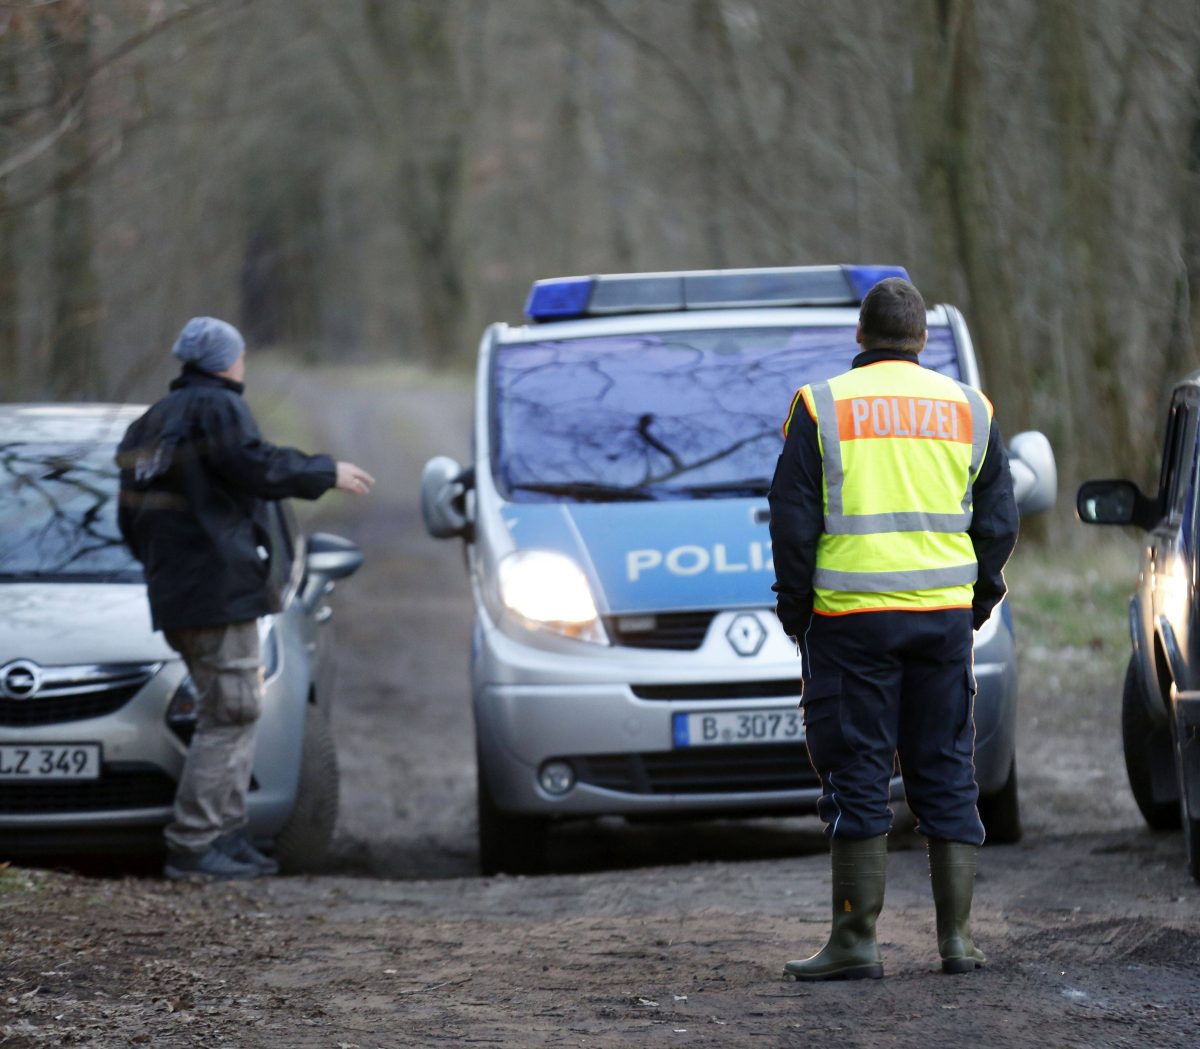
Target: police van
<point x="626" y="659"/>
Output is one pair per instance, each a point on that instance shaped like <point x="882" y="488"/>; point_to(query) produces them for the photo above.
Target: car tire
<point x="1001" y="812"/>
<point x="508" y="844"/>
<point x="303" y="844"/>
<point x="1146" y="746"/>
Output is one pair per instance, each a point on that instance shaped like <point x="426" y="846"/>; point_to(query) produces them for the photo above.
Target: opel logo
<point x="746" y="634"/>
<point x="20" y="679"/>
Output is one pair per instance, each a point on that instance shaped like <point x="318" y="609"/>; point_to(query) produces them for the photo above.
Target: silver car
<point x="96" y="710"/>
<point x="626" y="657"/>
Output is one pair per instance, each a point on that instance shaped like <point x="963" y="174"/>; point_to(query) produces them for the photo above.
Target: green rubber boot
<point x="952" y="870"/>
<point x="859" y="873"/>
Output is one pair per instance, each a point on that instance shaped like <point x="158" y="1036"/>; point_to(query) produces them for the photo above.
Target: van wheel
<point x="1001" y="812"/>
<point x="303" y="844"/>
<point x="1146" y="746"/>
<point x="508" y="844"/>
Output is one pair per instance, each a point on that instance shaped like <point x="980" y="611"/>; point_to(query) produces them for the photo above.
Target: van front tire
<point x="508" y="844"/>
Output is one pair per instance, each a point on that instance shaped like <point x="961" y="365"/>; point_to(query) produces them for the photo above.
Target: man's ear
<point x="858" y="334"/>
<point x="924" y="339"/>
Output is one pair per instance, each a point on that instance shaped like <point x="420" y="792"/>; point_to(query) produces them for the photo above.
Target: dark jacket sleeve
<point x="994" y="524"/>
<point x="245" y="462"/>
<point x="797" y="520"/>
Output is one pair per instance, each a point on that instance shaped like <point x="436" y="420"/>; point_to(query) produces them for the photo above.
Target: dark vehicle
<point x="1160" y="708"/>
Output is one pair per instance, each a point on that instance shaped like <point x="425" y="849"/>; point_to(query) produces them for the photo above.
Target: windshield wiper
<point x="589" y="490"/>
<point x="749" y="486"/>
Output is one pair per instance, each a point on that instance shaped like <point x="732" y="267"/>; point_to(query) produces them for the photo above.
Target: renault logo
<point x="20" y="679"/>
<point x="746" y="634"/>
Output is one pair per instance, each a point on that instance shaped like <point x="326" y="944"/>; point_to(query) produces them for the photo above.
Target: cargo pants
<point x="226" y="668"/>
<point x="878" y="685"/>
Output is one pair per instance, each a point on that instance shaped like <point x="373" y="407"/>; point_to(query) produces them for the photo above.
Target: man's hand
<point x="353" y="479"/>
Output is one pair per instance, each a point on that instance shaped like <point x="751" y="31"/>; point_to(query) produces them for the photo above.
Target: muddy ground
<point x="652" y="935"/>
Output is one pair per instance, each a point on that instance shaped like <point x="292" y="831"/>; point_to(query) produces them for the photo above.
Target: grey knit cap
<point x="209" y="344"/>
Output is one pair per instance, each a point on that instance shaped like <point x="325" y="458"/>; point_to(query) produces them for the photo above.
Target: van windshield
<point x="671" y="415"/>
<point x="58" y="514"/>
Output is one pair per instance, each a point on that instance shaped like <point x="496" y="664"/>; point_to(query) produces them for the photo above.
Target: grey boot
<point x="952" y="870"/>
<point x="859" y="873"/>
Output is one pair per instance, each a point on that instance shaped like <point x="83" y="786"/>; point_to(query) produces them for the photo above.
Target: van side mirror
<point x="444" y="487"/>
<point x="1113" y="502"/>
<point x="1034" y="473"/>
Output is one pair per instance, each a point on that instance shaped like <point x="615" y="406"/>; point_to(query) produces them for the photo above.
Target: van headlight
<point x="548" y="591"/>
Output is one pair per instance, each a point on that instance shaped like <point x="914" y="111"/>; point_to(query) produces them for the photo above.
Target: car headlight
<point x="548" y="591"/>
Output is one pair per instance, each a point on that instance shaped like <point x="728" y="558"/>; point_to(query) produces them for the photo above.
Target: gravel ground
<point x="652" y="935"/>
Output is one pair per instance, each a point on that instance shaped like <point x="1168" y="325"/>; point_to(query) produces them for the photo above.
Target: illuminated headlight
<point x="547" y="591"/>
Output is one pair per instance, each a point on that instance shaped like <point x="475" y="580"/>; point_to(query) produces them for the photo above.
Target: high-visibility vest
<point x="901" y="446"/>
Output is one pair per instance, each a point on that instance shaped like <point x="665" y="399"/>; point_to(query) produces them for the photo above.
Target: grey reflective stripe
<point x="895" y="582"/>
<point x="981" y="426"/>
<point x="831" y="448"/>
<point x="904" y="521"/>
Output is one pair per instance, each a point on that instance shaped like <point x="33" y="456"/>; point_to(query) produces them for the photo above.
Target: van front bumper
<point x="561" y="701"/>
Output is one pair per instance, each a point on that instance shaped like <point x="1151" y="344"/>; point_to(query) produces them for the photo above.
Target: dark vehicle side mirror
<point x="1115" y="502"/>
<point x="332" y="556"/>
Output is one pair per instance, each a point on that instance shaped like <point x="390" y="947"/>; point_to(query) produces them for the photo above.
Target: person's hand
<point x="353" y="479"/>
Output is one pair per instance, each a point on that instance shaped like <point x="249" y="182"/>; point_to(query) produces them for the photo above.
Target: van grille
<point x="121" y="787"/>
<point x="73" y="693"/>
<point x="707" y="770"/>
<point x="719" y="690"/>
<point x="682" y="631"/>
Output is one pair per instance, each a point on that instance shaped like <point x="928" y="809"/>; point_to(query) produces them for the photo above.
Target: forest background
<point x="377" y="179"/>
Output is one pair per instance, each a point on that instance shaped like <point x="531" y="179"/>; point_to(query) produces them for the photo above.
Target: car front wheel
<point x="303" y="844"/>
<point x="1147" y="748"/>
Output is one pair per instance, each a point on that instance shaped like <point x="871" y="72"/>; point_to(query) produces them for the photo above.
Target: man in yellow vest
<point x="892" y="516"/>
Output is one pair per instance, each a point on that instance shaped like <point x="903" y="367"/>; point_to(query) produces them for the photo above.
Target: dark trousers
<point x="882" y="684"/>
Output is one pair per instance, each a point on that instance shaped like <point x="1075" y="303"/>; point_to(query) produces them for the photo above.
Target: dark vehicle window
<point x="1177" y="459"/>
<point x="671" y="415"/>
<point x="58" y="514"/>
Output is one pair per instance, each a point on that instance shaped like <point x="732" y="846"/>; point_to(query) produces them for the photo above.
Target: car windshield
<point x="673" y="415"/>
<point x="58" y="514"/>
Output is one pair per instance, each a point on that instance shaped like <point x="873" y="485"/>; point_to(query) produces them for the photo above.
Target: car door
<point x="1169" y="571"/>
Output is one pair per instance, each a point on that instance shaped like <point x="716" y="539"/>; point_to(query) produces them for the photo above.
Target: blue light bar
<point x="564" y="298"/>
<point x="559" y="298"/>
<point x="864" y="278"/>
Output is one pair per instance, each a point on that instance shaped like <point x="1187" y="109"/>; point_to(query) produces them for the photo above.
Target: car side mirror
<point x="1034" y="473"/>
<point x="1114" y="502"/>
<point x="444" y="487"/>
<point x="332" y="557"/>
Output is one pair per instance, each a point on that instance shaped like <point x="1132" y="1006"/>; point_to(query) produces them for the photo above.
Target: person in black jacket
<point x="195" y="474"/>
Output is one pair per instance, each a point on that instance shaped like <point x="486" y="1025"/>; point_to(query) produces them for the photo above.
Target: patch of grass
<point x="14" y="881"/>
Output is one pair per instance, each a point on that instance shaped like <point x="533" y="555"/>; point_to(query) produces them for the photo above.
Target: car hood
<point x="657" y="556"/>
<point x="58" y="624"/>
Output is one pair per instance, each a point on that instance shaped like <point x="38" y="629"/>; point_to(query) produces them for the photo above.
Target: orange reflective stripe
<point x="859" y="418"/>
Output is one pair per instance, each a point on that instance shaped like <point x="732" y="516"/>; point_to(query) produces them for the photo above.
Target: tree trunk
<point x="73" y="356"/>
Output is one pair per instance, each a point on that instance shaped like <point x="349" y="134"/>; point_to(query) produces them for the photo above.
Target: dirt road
<point x="654" y="936"/>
